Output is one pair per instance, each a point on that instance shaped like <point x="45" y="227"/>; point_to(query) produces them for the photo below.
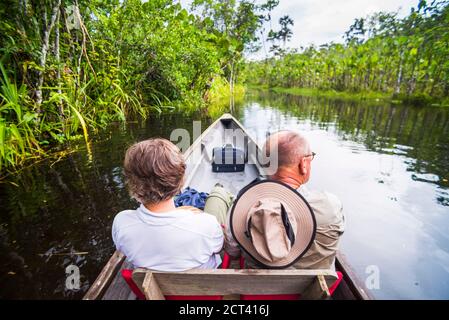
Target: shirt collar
<point x="303" y="190"/>
<point x="165" y="218"/>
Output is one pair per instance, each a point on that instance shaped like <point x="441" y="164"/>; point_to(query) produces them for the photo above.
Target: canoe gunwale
<point x="357" y="287"/>
<point x="106" y="276"/>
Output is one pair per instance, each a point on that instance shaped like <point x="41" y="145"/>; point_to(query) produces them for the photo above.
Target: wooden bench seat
<point x="310" y="284"/>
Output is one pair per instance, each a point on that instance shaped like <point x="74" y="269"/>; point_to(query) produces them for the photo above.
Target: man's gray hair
<point x="290" y="147"/>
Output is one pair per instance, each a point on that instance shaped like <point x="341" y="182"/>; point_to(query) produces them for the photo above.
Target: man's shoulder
<point x="323" y="197"/>
<point x="203" y="219"/>
<point x="330" y="198"/>
<point x="123" y="221"/>
<point x="203" y="223"/>
<point x="125" y="217"/>
<point x="326" y="206"/>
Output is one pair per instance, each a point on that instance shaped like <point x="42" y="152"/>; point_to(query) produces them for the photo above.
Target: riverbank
<point x="70" y="81"/>
<point x="16" y="155"/>
<point x="369" y="96"/>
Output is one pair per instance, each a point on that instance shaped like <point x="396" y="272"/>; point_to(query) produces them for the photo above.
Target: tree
<point x="70" y="67"/>
<point x="235" y="24"/>
<point x="382" y="52"/>
<point x="286" y="32"/>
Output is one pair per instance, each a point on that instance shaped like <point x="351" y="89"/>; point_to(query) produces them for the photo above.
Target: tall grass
<point x="67" y="111"/>
<point x="17" y="124"/>
<point x="220" y="96"/>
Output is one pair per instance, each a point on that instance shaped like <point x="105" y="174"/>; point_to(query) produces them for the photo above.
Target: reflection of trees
<point x="49" y="210"/>
<point x="13" y="269"/>
<point x="416" y="132"/>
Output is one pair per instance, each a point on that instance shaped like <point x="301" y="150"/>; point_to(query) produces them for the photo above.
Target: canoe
<point x="109" y="284"/>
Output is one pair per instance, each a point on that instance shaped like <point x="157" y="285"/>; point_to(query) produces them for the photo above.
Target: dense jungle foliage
<point x="407" y="58"/>
<point x="69" y="67"/>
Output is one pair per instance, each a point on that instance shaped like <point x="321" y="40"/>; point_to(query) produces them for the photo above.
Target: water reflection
<point x="420" y="134"/>
<point x="382" y="161"/>
<point x="388" y="164"/>
<point x="54" y="215"/>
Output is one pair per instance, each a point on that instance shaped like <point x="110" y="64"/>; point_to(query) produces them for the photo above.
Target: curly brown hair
<point x="154" y="170"/>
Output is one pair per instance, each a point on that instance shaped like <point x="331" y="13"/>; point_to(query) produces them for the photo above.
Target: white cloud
<point x="322" y="21"/>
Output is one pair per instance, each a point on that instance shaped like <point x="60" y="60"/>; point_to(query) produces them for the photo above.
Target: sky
<point x="323" y="21"/>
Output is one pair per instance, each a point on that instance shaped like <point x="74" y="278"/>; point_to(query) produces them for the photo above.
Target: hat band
<point x="287" y="225"/>
<point x="248" y="230"/>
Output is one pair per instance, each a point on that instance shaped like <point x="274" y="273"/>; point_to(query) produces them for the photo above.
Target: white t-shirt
<point x="170" y="241"/>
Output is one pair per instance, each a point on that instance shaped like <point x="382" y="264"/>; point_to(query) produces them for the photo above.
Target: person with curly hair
<point x="157" y="235"/>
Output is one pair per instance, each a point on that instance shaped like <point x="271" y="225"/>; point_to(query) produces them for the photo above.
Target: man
<point x="294" y="169"/>
<point x="157" y="235"/>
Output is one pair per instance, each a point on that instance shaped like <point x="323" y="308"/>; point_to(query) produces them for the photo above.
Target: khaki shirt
<point x="330" y="221"/>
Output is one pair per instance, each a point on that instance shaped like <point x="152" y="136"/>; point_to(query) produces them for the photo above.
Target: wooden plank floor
<point x="119" y="289"/>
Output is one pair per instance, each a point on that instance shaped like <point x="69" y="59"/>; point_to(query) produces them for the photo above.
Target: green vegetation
<point x="311" y="92"/>
<point x="219" y="98"/>
<point x="70" y="67"/>
<point x="404" y="59"/>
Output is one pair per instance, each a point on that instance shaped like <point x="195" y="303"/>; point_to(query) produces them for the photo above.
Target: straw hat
<point x="272" y="223"/>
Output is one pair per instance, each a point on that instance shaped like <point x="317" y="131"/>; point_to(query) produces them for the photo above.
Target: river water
<point x="389" y="164"/>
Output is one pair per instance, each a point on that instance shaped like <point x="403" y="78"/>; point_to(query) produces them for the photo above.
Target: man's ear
<point x="302" y="166"/>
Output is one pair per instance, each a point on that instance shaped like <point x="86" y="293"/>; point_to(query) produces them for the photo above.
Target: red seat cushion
<point x="226" y="261"/>
<point x="127" y="274"/>
<point x="337" y="282"/>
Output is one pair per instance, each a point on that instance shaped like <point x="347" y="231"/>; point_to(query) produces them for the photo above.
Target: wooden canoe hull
<point x="110" y="285"/>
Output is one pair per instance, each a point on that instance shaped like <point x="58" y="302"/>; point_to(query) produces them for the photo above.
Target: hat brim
<point x="303" y="213"/>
